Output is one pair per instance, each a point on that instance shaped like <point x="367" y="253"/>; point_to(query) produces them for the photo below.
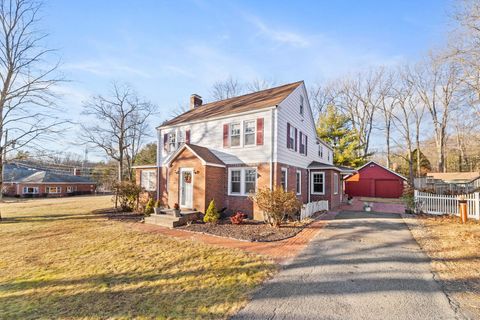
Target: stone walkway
<point x="279" y="251"/>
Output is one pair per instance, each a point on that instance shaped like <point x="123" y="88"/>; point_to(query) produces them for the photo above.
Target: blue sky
<point x="170" y="49"/>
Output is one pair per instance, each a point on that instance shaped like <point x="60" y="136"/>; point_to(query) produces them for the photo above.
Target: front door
<point x="186" y="188"/>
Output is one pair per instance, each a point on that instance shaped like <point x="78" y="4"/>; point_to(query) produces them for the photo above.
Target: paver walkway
<point x="279" y="251"/>
<point x="361" y="266"/>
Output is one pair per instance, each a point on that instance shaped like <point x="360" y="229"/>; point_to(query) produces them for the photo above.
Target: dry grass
<point x="455" y="252"/>
<point x="58" y="260"/>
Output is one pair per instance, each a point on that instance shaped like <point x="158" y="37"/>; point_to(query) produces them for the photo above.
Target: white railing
<point x="446" y="204"/>
<point x="310" y="208"/>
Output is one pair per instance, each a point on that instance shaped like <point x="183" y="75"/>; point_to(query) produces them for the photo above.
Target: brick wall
<point x="334" y="200"/>
<point x="14" y="189"/>
<point x="215" y="186"/>
<point x="186" y="159"/>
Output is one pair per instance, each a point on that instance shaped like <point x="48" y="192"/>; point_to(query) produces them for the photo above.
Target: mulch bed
<point x="249" y="230"/>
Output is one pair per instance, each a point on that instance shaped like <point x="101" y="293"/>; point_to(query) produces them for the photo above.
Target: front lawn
<point x="455" y="252"/>
<point x="59" y="260"/>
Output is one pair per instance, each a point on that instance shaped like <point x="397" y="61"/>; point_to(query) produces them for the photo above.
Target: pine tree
<point x="212" y="215"/>
<point x="334" y="128"/>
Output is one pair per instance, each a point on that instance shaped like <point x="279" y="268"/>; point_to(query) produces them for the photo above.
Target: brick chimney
<point x="195" y="101"/>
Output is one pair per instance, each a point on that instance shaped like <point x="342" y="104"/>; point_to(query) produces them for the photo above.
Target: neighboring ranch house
<point x="21" y="181"/>
<point x="226" y="150"/>
<point x="374" y="180"/>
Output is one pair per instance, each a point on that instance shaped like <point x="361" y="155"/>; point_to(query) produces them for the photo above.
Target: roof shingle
<point x="252" y="101"/>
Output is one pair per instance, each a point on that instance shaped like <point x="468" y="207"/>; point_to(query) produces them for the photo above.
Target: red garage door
<point x="362" y="188"/>
<point x="387" y="189"/>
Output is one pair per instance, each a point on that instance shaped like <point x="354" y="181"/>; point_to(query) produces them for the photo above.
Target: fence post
<point x="477" y="205"/>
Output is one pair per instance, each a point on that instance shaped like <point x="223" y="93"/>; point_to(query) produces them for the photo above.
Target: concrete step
<point x="169" y="220"/>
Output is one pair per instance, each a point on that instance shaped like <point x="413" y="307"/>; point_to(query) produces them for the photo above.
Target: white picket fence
<point x="310" y="208"/>
<point x="446" y="204"/>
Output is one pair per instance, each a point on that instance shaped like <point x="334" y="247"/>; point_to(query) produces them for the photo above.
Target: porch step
<point x="169" y="220"/>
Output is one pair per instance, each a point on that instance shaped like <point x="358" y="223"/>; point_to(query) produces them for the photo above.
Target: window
<point x="318" y="186"/>
<point x="250" y="180"/>
<point x="291" y="141"/>
<point x="242" y="181"/>
<point x="30" y="190"/>
<point x="54" y="189"/>
<point x="249" y="131"/>
<point x="69" y="189"/>
<point x="235" y="181"/>
<point x="180" y="138"/>
<point x="328" y="155"/>
<point x="303" y="143"/>
<point x="283" y="178"/>
<point x="335" y="183"/>
<point x="299" y="182"/>
<point x="320" y="151"/>
<point x="235" y="134"/>
<point x="301" y="105"/>
<point x="172" y="141"/>
<point x="148" y="180"/>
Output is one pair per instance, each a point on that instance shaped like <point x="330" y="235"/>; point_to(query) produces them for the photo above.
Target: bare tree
<point x="359" y="98"/>
<point x="227" y="88"/>
<point x="437" y="84"/>
<point x="386" y="108"/>
<point x="259" y="85"/>
<point x="322" y="96"/>
<point x="118" y="125"/>
<point x="27" y="78"/>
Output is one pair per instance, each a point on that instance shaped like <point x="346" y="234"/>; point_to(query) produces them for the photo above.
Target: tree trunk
<point x="388" y="146"/>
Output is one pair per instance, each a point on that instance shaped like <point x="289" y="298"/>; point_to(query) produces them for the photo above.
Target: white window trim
<point x="58" y="190"/>
<point x="286" y="178"/>
<point x="242" y="180"/>
<point x="240" y="140"/>
<point x="320" y="151"/>
<point x="35" y="190"/>
<point x="243" y="133"/>
<point x="299" y="174"/>
<point x="292" y="136"/>
<point x="335" y="183"/>
<point x="149" y="173"/>
<point x="303" y="141"/>
<point x="312" y="184"/>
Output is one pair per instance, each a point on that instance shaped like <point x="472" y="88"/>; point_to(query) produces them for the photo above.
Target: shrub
<point x="212" y="215"/>
<point x="149" y="206"/>
<point x="276" y="204"/>
<point x="127" y="194"/>
<point x="408" y="197"/>
<point x="238" y="217"/>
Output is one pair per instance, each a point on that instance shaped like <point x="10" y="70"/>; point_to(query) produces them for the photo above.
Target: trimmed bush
<point x="149" y="207"/>
<point x="212" y="215"/>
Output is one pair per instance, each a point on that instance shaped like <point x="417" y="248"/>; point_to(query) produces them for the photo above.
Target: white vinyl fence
<point x="310" y="208"/>
<point x="446" y="204"/>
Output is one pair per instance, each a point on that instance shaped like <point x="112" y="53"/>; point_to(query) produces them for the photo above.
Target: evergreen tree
<point x="148" y="155"/>
<point x="334" y="128"/>
<point x="212" y="215"/>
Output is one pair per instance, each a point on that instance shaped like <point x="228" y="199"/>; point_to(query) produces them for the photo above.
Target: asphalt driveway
<point x="361" y="266"/>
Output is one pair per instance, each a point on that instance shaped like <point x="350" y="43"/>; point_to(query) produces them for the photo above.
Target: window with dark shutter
<point x="187" y="136"/>
<point x="288" y="136"/>
<point x="296" y="134"/>
<point x="165" y="142"/>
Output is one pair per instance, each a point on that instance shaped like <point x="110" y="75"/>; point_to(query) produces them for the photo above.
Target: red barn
<point x="374" y="180"/>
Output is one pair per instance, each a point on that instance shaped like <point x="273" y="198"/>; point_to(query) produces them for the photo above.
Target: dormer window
<point x="301" y="105"/>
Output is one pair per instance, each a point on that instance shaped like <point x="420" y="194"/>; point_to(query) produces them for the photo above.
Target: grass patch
<point x="454" y="250"/>
<point x="58" y="260"/>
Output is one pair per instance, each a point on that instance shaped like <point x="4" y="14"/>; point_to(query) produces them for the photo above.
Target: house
<point x="22" y="181"/>
<point x="226" y="150"/>
<point x="374" y="180"/>
<point x="449" y="182"/>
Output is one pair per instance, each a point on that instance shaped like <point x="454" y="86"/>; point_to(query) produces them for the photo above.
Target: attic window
<point x="301" y="105"/>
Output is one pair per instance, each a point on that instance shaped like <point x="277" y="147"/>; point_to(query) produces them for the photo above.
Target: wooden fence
<point x="310" y="208"/>
<point x="446" y="204"/>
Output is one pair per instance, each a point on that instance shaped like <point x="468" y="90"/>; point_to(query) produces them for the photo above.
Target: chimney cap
<point x="194" y="95"/>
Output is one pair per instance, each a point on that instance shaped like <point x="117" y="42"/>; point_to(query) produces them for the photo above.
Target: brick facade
<point x="334" y="200"/>
<point x="211" y="182"/>
<point x="16" y="189"/>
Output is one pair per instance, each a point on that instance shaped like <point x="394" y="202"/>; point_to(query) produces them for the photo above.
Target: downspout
<point x="308" y="184"/>
<point x="272" y="135"/>
<point x="159" y="161"/>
